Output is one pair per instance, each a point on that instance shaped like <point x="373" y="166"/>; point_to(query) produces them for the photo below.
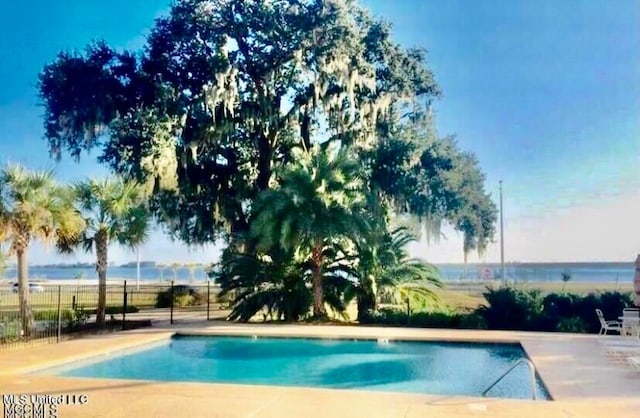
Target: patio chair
<point x="631" y="321"/>
<point x="606" y="326"/>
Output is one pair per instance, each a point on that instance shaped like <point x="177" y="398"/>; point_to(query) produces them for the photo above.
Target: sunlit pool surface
<point x="409" y="367"/>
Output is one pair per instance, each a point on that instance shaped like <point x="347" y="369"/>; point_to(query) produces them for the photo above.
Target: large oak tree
<point x="223" y="93"/>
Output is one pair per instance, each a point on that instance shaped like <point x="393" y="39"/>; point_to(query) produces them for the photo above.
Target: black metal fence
<point x="58" y="312"/>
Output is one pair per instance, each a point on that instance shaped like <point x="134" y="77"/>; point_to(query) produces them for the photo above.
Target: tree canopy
<point x="221" y="94"/>
<point x="228" y="94"/>
<point x="33" y="206"/>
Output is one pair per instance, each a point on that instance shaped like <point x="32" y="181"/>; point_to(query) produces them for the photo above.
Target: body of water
<point x="579" y="272"/>
<point x="413" y="367"/>
<point x="541" y="272"/>
<point x="125" y="273"/>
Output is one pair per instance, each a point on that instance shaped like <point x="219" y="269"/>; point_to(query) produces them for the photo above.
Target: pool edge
<point x="102" y="351"/>
<point x="59" y="366"/>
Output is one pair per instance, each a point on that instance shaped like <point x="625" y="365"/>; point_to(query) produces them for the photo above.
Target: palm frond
<point x="33" y="203"/>
<point x="319" y="197"/>
<point x="117" y="206"/>
<point x="383" y="266"/>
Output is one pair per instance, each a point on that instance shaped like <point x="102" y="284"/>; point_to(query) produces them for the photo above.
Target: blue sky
<point x="545" y="93"/>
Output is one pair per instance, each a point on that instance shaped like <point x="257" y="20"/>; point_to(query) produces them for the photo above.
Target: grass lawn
<point x="455" y="295"/>
<point x="85" y="296"/>
<point x="468" y="296"/>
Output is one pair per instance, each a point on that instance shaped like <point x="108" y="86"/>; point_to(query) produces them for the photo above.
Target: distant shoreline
<point x="592" y="272"/>
<point x="110" y="281"/>
<point x="167" y="267"/>
<point x="182" y="281"/>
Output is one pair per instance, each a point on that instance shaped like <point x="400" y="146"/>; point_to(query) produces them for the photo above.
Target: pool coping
<point x="280" y="331"/>
<point x="548" y="351"/>
<point x="38" y="364"/>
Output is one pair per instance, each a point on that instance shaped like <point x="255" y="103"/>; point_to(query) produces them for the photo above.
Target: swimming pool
<point x="396" y="366"/>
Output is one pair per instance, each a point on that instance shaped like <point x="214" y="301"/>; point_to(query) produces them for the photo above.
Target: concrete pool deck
<point x="583" y="381"/>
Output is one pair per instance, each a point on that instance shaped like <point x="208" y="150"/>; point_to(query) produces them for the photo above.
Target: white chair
<point x="606" y="326"/>
<point x="631" y="321"/>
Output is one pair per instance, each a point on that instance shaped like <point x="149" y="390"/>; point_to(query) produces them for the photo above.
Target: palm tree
<point x="161" y="268"/>
<point x="3" y="262"/>
<point x="383" y="265"/>
<point x="278" y="285"/>
<point x="34" y="206"/>
<point x="318" y="201"/>
<point x="175" y="266"/>
<point x="192" y="271"/>
<point x="114" y="209"/>
<point x="273" y="284"/>
<point x="566" y="277"/>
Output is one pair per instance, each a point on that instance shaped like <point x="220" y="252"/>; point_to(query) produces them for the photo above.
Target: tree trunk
<point x="366" y="299"/>
<point x="265" y="152"/>
<point x="26" y="315"/>
<point x="316" y="269"/>
<point x="102" y="241"/>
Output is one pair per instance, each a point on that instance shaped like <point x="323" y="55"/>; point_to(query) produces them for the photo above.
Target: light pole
<point x="501" y="236"/>
<point x="138" y="268"/>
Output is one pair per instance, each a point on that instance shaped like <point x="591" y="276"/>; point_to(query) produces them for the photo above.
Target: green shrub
<point x="79" y="317"/>
<point x="560" y="304"/>
<point x="182" y="296"/>
<point x="511" y="309"/>
<point x="10" y="331"/>
<point x="226" y="299"/>
<point x="385" y="316"/>
<point x="473" y="321"/>
<point x="163" y="299"/>
<point x="52" y="315"/>
<point x="183" y="300"/>
<point x="117" y="310"/>
<point x="435" y="320"/>
<point x="515" y="309"/>
<point x="573" y="324"/>
<point x="555" y="308"/>
<point x="397" y="317"/>
<point x="611" y="304"/>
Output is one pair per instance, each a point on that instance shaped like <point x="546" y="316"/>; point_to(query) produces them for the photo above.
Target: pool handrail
<point x="515" y="364"/>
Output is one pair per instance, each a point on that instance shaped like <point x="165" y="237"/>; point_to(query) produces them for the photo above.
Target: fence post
<point x="124" y="307"/>
<point x="59" y="315"/>
<point x="208" y="295"/>
<point x="171" y="302"/>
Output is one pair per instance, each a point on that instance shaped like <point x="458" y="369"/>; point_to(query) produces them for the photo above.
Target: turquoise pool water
<point x="415" y="367"/>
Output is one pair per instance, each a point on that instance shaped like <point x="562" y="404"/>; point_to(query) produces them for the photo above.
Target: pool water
<point x="413" y="367"/>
